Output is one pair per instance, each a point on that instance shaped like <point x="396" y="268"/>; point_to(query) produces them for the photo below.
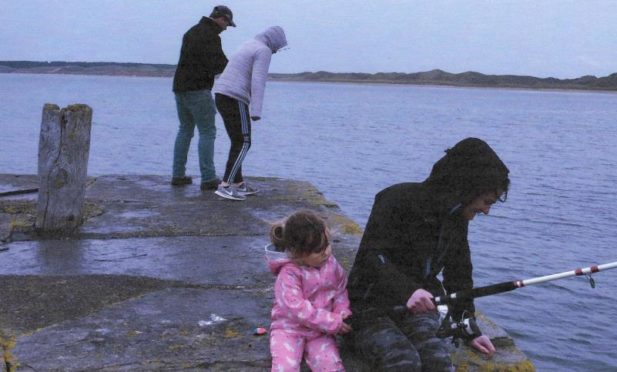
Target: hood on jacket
<point x="468" y="169"/>
<point x="276" y="259"/>
<point x="273" y="37"/>
<point x="211" y="25"/>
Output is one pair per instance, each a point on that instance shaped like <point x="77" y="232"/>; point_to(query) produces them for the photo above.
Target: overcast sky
<point x="558" y="38"/>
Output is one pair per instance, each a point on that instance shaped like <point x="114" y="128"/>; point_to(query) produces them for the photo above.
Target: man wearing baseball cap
<point x="201" y="58"/>
<point x="223" y="11"/>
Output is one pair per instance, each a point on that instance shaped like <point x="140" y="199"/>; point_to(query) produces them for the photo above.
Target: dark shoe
<point x="210" y="185"/>
<point x="181" y="181"/>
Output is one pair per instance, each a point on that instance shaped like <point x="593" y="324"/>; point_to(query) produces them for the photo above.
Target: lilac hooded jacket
<point x="308" y="300"/>
<point x="245" y="76"/>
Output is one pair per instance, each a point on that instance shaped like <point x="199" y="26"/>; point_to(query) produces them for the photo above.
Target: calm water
<point x="353" y="140"/>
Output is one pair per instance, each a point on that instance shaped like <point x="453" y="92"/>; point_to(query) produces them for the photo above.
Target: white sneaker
<point x="244" y="189"/>
<point x="229" y="192"/>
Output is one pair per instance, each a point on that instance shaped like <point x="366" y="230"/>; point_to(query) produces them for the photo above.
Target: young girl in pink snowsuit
<point x="311" y="300"/>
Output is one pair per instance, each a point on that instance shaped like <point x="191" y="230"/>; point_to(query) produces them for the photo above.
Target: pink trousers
<point x="287" y="350"/>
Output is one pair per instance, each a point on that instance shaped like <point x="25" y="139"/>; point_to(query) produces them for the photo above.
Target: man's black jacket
<point x="201" y="57"/>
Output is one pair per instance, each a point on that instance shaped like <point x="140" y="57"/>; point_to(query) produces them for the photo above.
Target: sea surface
<point x="352" y="140"/>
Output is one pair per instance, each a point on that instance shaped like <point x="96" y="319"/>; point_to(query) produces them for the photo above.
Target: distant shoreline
<point x="433" y="77"/>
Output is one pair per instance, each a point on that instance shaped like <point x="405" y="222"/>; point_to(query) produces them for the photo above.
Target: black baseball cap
<point x="223" y="11"/>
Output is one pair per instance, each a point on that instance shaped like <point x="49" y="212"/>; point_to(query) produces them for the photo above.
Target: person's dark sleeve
<point x="387" y="252"/>
<point x="216" y="59"/>
<point x="457" y="276"/>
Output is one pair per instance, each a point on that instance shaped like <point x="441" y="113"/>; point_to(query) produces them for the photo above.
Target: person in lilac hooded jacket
<point x="239" y="98"/>
<point x="311" y="301"/>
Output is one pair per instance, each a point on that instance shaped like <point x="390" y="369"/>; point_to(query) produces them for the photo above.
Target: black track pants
<point x="238" y="126"/>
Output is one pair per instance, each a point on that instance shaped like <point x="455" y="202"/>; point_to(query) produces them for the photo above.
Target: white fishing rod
<point x="509" y="286"/>
<point x="468" y="329"/>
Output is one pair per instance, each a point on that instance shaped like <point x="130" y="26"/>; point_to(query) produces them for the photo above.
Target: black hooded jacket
<point x="201" y="57"/>
<point x="415" y="230"/>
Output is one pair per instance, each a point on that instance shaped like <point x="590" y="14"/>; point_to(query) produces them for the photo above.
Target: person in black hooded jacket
<point x="414" y="232"/>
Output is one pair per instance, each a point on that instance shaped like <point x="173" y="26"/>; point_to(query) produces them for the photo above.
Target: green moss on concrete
<point x="18" y="207"/>
<point x="344" y="225"/>
<point x="303" y="191"/>
<point x="23" y="214"/>
<point x="42" y="301"/>
<point x="345" y="262"/>
<point x="523" y="366"/>
<point x="7" y="343"/>
<point x="511" y="360"/>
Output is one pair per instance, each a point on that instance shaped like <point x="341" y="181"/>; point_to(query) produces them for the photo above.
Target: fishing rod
<point x="509" y="286"/>
<point x="467" y="328"/>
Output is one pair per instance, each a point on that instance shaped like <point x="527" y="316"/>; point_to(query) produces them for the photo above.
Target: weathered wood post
<point x="64" y="146"/>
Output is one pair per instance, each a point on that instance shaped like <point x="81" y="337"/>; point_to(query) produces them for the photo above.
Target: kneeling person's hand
<point x="421" y="301"/>
<point x="483" y="344"/>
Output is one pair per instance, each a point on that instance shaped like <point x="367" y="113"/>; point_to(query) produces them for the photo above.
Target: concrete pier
<point x="161" y="278"/>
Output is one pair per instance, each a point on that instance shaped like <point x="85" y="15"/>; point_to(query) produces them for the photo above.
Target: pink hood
<point x="276" y="260"/>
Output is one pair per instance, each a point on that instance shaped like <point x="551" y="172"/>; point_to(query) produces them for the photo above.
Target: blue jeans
<point x="195" y="108"/>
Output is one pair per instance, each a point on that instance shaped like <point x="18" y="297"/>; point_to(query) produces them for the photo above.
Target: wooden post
<point x="64" y="146"/>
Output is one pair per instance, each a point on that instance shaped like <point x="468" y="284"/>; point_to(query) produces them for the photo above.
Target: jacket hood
<point x="468" y="169"/>
<point x="273" y="37"/>
<point x="209" y="23"/>
<point x="276" y="259"/>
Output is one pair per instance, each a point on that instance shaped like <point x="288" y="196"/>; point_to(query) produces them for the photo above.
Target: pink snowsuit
<point x="309" y="307"/>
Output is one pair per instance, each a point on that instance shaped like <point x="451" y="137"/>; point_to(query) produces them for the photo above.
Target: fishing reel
<point x="466" y="329"/>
